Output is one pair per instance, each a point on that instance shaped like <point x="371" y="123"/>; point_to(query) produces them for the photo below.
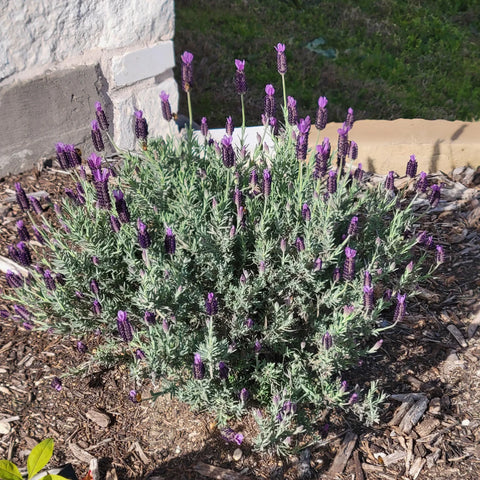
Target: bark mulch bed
<point x="430" y="366"/>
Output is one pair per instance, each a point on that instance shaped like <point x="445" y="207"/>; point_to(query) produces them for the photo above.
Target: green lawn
<point x="385" y="59"/>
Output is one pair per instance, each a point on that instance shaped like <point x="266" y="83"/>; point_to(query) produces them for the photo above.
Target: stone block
<point x="143" y="97"/>
<point x="38" y="34"/>
<point x="142" y="64"/>
<point x="57" y="107"/>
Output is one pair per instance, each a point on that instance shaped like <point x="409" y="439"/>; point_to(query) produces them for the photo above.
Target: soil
<point x="92" y="416"/>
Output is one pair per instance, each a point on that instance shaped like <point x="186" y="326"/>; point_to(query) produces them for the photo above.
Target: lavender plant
<point x="246" y="281"/>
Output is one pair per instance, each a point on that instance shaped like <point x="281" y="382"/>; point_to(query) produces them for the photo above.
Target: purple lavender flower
<point x="350" y="119"/>
<point x="143" y="236"/>
<point x="322" y="114"/>
<point x="257" y="347"/>
<point x="244" y="394"/>
<point x="283" y="245"/>
<point x="229" y="126"/>
<point x="94" y="287"/>
<point x="327" y="341"/>
<point x="342" y="147"/>
<point x="141" y="126"/>
<point x="170" y="243"/>
<point x="367" y="279"/>
<point x="368" y="300"/>
<point x="348" y="310"/>
<point x="228" y="154"/>
<point x="149" y="318"/>
<point x="261" y="266"/>
<point x="358" y="175"/>
<point x="14" y="280"/>
<point x="240" y="80"/>
<point x="22" y="312"/>
<point x="237" y="197"/>
<point x="301" y="148"/>
<point x="434" y="195"/>
<point x="124" y="326"/>
<point x="269" y="102"/>
<point x="306" y="213"/>
<point x="165" y="325"/>
<point x="101" y="117"/>
<point x="390" y="181"/>
<point x="353" y="227"/>
<point x="422" y="237"/>
<point x="56" y="384"/>
<point x="321" y="158"/>
<point x="37" y="208"/>
<point x="232" y="231"/>
<point x="187" y="71"/>
<point x="422" y="183"/>
<point x="115" y="223"/>
<point x="97" y="139"/>
<point x="204" y="126"/>
<point x="300" y="244"/>
<point x="100" y="182"/>
<point x="249" y="323"/>
<point x="140" y="354"/>
<point x="21" y="197"/>
<point x="49" y="280"/>
<point x="353" y="150"/>
<point x="267" y="183"/>
<point x="275" y="128"/>
<point x="412" y="166"/>
<point x="387" y="295"/>
<point x="440" y="254"/>
<point x="73" y="155"/>
<point x="198" y="367"/>
<point x="96" y="307"/>
<point x="400" y="308"/>
<point x="166" y="108"/>
<point x="332" y="182"/>
<point x="24" y="256"/>
<point x="353" y="399"/>
<point x="94" y="162"/>
<point x="81" y="347"/>
<point x="317" y="265"/>
<point x="281" y="59"/>
<point x="223" y="370"/>
<point x="292" y="111"/>
<point x="22" y="231"/>
<point x="134" y="396"/>
<point x="231" y="436"/>
<point x="349" y="265"/>
<point x="336" y="274"/>
<point x="62" y="156"/>
<point x="211" y="304"/>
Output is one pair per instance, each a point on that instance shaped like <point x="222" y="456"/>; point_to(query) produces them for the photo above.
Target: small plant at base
<point x="37" y="459"/>
<point x="223" y="273"/>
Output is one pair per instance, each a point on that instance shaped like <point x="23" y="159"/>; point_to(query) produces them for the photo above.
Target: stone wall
<point x="59" y="57"/>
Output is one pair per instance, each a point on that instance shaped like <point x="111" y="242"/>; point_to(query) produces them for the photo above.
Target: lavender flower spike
<point x="56" y="384"/>
<point x="281" y="59"/>
<point x="223" y="370"/>
<point x="306" y="213"/>
<point x="292" y="111"/>
<point x="435" y="195"/>
<point x="141" y="126"/>
<point x="22" y="231"/>
<point x="101" y="117"/>
<point x="187" y="71"/>
<point x="170" y="243"/>
<point x="143" y="236"/>
<point x="100" y="182"/>
<point x="49" y="280"/>
<point x="21" y="197"/>
<point x="198" y="367"/>
<point x="440" y="254"/>
<point x="231" y="436"/>
<point x="349" y="266"/>
<point x="228" y="155"/>
<point x="368" y="299"/>
<point x="121" y="206"/>
<point x="204" y="127"/>
<point x="267" y="183"/>
<point x="240" y="81"/>
<point x="327" y="341"/>
<point x="269" y="103"/>
<point x="412" y="166"/>
<point x="97" y="139"/>
<point x="124" y="326"/>
<point x="332" y="182"/>
<point x="322" y="114"/>
<point x="229" y="126"/>
<point x="300" y="244"/>
<point x="166" y="108"/>
<point x="400" y="308"/>
<point x="211" y="304"/>
<point x="422" y="183"/>
<point x="244" y="394"/>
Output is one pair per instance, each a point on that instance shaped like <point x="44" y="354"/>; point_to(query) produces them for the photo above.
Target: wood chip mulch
<point x="430" y="366"/>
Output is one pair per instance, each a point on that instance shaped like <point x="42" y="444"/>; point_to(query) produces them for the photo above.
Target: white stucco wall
<point x="128" y="44"/>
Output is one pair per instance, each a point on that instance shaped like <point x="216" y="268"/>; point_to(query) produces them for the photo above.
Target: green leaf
<point x="9" y="471"/>
<point x="52" y="476"/>
<point x="39" y="456"/>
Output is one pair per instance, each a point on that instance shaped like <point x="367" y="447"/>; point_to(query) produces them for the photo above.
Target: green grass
<point x="394" y="58"/>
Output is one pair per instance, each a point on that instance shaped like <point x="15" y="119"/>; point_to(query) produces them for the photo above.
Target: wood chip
<point x="474" y="324"/>
<point x="218" y="473"/>
<point x="4" y="428"/>
<point x="401" y="411"/>
<point x="457" y="335"/>
<point x="98" y="417"/>
<point x="141" y="454"/>
<point x="417" y="467"/>
<point x="93" y="468"/>
<point x="359" y="475"/>
<point x="80" y="454"/>
<point x="413" y="415"/>
<point x="341" y="459"/>
<point x="426" y="427"/>
<point x="112" y="475"/>
<point x="433" y="457"/>
<point x="393" y="458"/>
